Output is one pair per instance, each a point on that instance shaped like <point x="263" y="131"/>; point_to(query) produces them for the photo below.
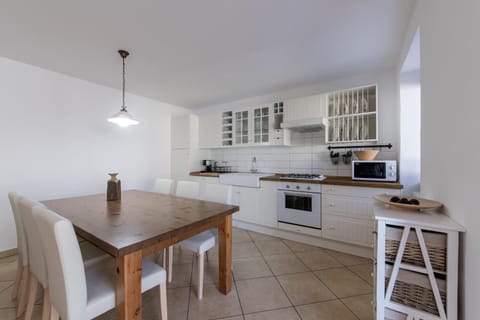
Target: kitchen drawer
<point x="355" y="231"/>
<point x="363" y="192"/>
<point x="354" y="207"/>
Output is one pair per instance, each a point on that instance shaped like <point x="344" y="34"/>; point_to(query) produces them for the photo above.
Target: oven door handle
<point x="300" y="193"/>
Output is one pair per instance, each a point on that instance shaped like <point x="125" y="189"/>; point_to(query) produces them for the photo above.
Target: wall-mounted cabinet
<point x="212" y="132"/>
<point x="305" y="107"/>
<point x="352" y="115"/>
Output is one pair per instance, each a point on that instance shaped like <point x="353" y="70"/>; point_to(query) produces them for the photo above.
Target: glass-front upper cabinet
<point x="353" y="115"/>
<point x="241" y="127"/>
<point x="261" y="125"/>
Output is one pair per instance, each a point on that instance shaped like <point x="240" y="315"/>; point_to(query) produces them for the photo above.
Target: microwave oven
<point x="375" y="170"/>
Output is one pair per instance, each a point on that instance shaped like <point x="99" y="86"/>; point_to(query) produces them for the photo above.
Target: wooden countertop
<point x="332" y="180"/>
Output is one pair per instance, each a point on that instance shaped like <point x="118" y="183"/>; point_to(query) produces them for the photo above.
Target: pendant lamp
<point x="123" y="118"/>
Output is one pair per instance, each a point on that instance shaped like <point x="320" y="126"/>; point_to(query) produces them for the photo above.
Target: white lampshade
<point x="123" y="119"/>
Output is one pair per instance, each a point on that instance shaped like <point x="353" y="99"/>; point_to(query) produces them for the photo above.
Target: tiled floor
<point x="273" y="279"/>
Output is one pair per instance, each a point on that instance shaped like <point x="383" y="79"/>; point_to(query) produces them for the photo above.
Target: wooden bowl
<point x="423" y="203"/>
<point x="366" y="154"/>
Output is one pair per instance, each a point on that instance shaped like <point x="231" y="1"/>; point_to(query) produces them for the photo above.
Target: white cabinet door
<point x="355" y="231"/>
<point x="241" y="126"/>
<point x="247" y="199"/>
<point x="209" y="130"/>
<point x="267" y="205"/>
<point x="305" y="107"/>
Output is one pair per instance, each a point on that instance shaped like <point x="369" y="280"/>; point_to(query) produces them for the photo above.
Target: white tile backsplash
<point x="307" y="154"/>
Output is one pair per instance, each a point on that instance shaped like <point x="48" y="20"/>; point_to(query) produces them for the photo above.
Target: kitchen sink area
<point x="242" y="179"/>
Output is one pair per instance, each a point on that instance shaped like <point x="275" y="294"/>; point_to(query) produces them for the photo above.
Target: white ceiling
<point x="199" y="53"/>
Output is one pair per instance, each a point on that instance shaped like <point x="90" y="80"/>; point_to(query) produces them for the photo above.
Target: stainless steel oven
<point x="300" y="204"/>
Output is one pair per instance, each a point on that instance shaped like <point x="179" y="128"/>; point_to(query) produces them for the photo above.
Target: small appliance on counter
<point x="375" y="170"/>
<point x="208" y="165"/>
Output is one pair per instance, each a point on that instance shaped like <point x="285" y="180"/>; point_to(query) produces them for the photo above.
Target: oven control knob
<point x="308" y="188"/>
<point x="287" y="186"/>
<point x="298" y="187"/>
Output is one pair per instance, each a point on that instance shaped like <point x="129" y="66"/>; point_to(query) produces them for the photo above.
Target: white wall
<point x="55" y="140"/>
<point x="410" y="103"/>
<point x="308" y="153"/>
<point x="450" y="71"/>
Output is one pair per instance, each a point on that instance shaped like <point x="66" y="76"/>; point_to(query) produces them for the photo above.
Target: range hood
<point x="311" y="124"/>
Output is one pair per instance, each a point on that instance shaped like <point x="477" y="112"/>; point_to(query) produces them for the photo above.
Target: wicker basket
<point x="413" y="289"/>
<point x="436" y="245"/>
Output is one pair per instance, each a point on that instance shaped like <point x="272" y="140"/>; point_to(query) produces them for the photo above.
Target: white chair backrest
<point x="36" y="257"/>
<point x="217" y="193"/>
<point x="163" y="185"/>
<point x="188" y="189"/>
<point x="14" y="198"/>
<point x="66" y="273"/>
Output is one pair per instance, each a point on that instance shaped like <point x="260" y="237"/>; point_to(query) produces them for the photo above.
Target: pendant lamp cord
<point x="123" y="86"/>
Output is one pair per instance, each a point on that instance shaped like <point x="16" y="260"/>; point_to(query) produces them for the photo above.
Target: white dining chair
<point x="163" y="185"/>
<point x="200" y="243"/>
<point x="20" y="286"/>
<point x="37" y="266"/>
<point x="185" y="189"/>
<point x="188" y="189"/>
<point x="78" y="292"/>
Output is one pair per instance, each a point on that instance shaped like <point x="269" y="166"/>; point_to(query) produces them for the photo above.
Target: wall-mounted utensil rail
<point x="372" y="146"/>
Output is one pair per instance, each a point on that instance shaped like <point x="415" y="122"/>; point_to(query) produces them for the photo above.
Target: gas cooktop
<point x="304" y="176"/>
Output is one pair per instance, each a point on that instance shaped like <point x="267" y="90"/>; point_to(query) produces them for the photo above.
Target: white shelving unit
<point x="352" y="115"/>
<point x="227" y="128"/>
<point x="418" y="278"/>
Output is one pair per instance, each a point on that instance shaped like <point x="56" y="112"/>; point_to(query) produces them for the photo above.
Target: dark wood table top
<point x="139" y="220"/>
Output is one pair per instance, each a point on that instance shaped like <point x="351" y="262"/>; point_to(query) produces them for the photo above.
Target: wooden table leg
<point x="225" y="254"/>
<point x="129" y="286"/>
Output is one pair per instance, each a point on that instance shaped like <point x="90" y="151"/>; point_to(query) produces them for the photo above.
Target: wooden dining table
<point x="140" y="224"/>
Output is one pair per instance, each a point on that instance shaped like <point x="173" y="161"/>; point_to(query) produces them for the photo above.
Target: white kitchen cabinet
<point x="262" y="124"/>
<point x="257" y="205"/>
<point x="347" y="213"/>
<point x="305" y="107"/>
<point x="184" y="132"/>
<point x="210" y="130"/>
<point x="352" y="115"/>
<point x="241" y="127"/>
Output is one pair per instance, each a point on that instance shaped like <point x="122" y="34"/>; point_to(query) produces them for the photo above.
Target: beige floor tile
<point x="272" y="247"/>
<point x="177" y="303"/>
<point x="260" y="236"/>
<point x="361" y="306"/>
<point x="233" y="318"/>
<point x="244" y="250"/>
<point x="8" y="259"/>
<point x="5" y="298"/>
<point x="343" y="282"/>
<point x="285" y="263"/>
<point x="330" y="310"/>
<point x="214" y="304"/>
<point x="181" y="275"/>
<point x="240" y="235"/>
<point x="300" y="247"/>
<point x="5" y="284"/>
<point x="364" y="271"/>
<point x="279" y="314"/>
<point x="8" y="314"/>
<point x="261" y="294"/>
<point x="348" y="259"/>
<point x="8" y="269"/>
<point x="248" y="268"/>
<point x="304" y="288"/>
<point x="318" y="260"/>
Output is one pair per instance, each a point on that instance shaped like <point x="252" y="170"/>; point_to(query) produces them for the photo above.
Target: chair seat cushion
<point x="200" y="243"/>
<point x="101" y="284"/>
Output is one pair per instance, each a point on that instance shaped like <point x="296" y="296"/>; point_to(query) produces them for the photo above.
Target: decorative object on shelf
<point x="123" y="118"/>
<point x="366" y="154"/>
<point x="114" y="189"/>
<point x="334" y="156"/>
<point x="406" y="203"/>
<point x="347" y="157"/>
